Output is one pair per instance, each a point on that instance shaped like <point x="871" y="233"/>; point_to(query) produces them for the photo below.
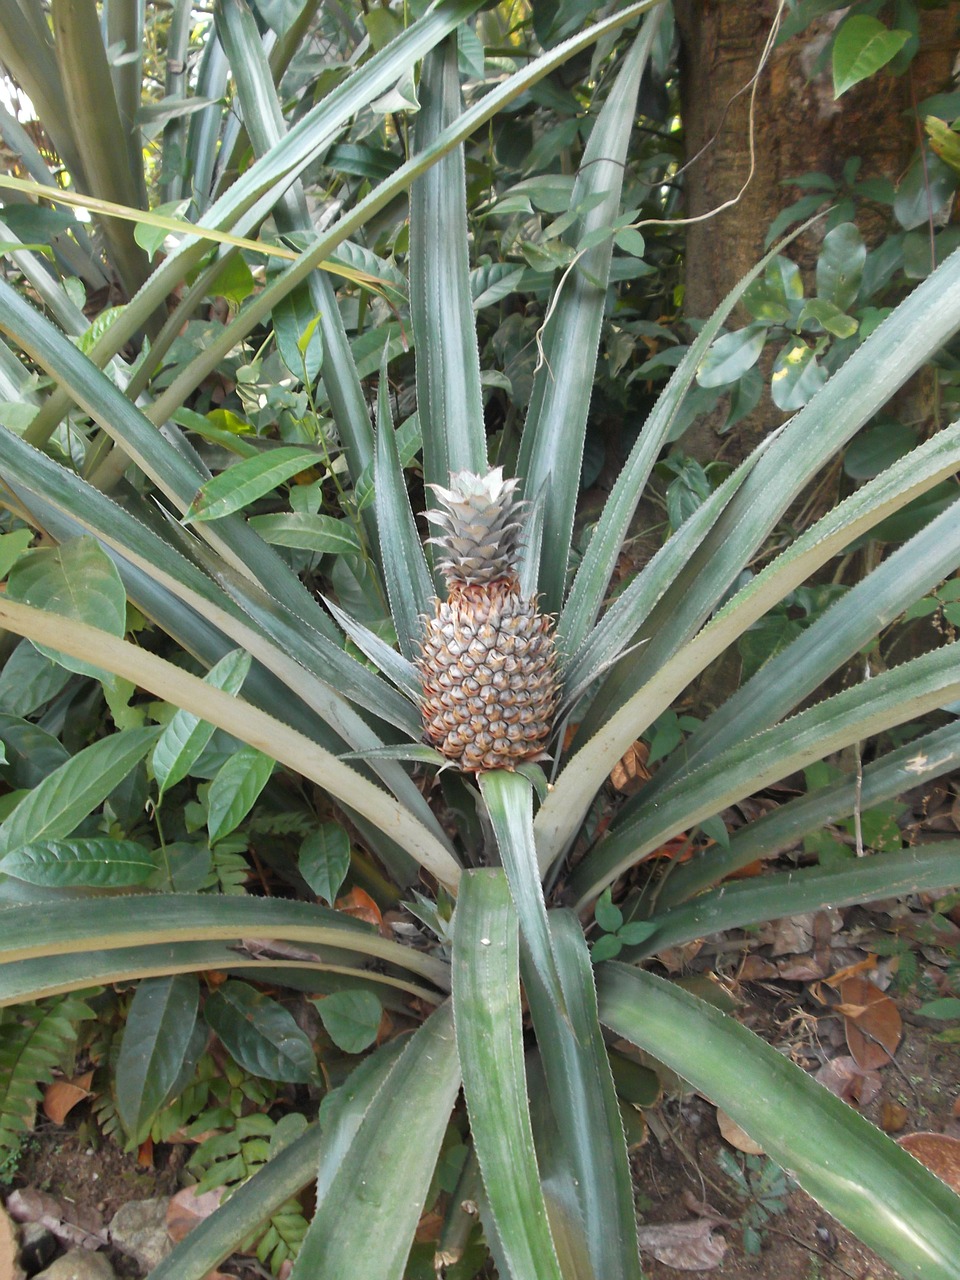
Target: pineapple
<point x="488" y="662"/>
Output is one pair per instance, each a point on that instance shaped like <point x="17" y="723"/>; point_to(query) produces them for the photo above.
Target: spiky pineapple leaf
<point x="486" y="1001"/>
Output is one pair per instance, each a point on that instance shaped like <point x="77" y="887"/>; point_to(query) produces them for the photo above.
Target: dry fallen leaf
<point x="872" y="1023"/>
<point x="186" y="1210"/>
<point x="631" y="772"/>
<point x="756" y="968"/>
<point x="687" y="1246"/>
<point x="358" y="903"/>
<point x="736" y="1136"/>
<point x="938" y="1152"/>
<point x="60" y="1097"/>
<point x="844" y="1077"/>
<point x="893" y="1116"/>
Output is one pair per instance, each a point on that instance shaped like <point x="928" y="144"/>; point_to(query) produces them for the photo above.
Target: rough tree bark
<point x="798" y="128"/>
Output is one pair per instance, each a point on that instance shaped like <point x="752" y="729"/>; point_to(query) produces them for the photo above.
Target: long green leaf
<point x="245" y="721"/>
<point x="404" y="565"/>
<point x="259" y="307"/>
<point x="253" y="195"/>
<point x="57" y="805"/>
<point x="857" y="1173"/>
<point x="448" y="362"/>
<point x="861" y="386"/>
<point x="564" y="809"/>
<point x="552" y="447"/>
<point x="88" y="863"/>
<point x="303" y="658"/>
<point x="97" y="128"/>
<point x="592" y="580"/>
<point x="22" y="980"/>
<point x="509" y="801"/>
<point x="151" y="919"/>
<point x="368" y="1214"/>
<point x="167" y="465"/>
<point x="28" y="54"/>
<point x="921" y="868"/>
<point x="789" y="676"/>
<point x="891" y="698"/>
<point x="486" y="1002"/>
<point x="585" y="1108"/>
<point x="266" y="127"/>
<point x="919" y="761"/>
<point x="620" y="623"/>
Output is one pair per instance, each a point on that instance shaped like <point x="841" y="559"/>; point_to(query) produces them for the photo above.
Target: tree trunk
<point x="798" y="128"/>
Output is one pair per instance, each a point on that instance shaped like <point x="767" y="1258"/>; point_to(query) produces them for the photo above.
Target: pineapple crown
<point x="482" y="523"/>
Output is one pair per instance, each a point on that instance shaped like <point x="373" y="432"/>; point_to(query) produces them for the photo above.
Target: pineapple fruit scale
<point x="488" y="664"/>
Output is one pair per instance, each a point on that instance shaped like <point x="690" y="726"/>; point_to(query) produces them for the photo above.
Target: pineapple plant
<point x="488" y="660"/>
<point x="524" y="1030"/>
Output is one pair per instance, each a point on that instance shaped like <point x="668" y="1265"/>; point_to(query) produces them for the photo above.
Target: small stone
<point x="139" y="1229"/>
<point x="38" y="1245"/>
<point x="79" y="1264"/>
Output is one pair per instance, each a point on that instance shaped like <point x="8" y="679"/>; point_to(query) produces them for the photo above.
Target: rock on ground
<point x="79" y="1264"/>
<point x="139" y="1229"/>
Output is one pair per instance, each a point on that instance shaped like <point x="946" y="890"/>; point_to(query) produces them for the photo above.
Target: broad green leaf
<point x="861" y="47"/>
<point x="324" y="860"/>
<point x="261" y="1034"/>
<point x="585" y="1109"/>
<point x="925" y="192"/>
<point x="75" y="580"/>
<point x="156" y="1040"/>
<point x="12" y="547"/>
<point x="246" y="481"/>
<point x="854" y="1170"/>
<point x="486" y="1001"/>
<point x="876" y="448"/>
<point x="946" y="1007"/>
<point x="29" y="679"/>
<point x="235" y="789"/>
<point x="308" y="532"/>
<point x="299" y="338"/>
<point x="829" y="317"/>
<point x="944" y="140"/>
<point x="351" y="1019"/>
<point x="840" y="265"/>
<point x="65" y="797"/>
<point x="778" y="296"/>
<point x="731" y="356"/>
<point x="796" y="375"/>
<point x="91" y="863"/>
<point x="184" y="739"/>
<point x="367" y="1216"/>
<point x="31" y="752"/>
<point x="509" y="801"/>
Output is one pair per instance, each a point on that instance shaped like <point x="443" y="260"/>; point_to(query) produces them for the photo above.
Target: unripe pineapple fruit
<point x="488" y="665"/>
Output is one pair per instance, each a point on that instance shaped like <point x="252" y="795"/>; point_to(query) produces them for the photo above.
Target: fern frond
<point x="34" y="1041"/>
